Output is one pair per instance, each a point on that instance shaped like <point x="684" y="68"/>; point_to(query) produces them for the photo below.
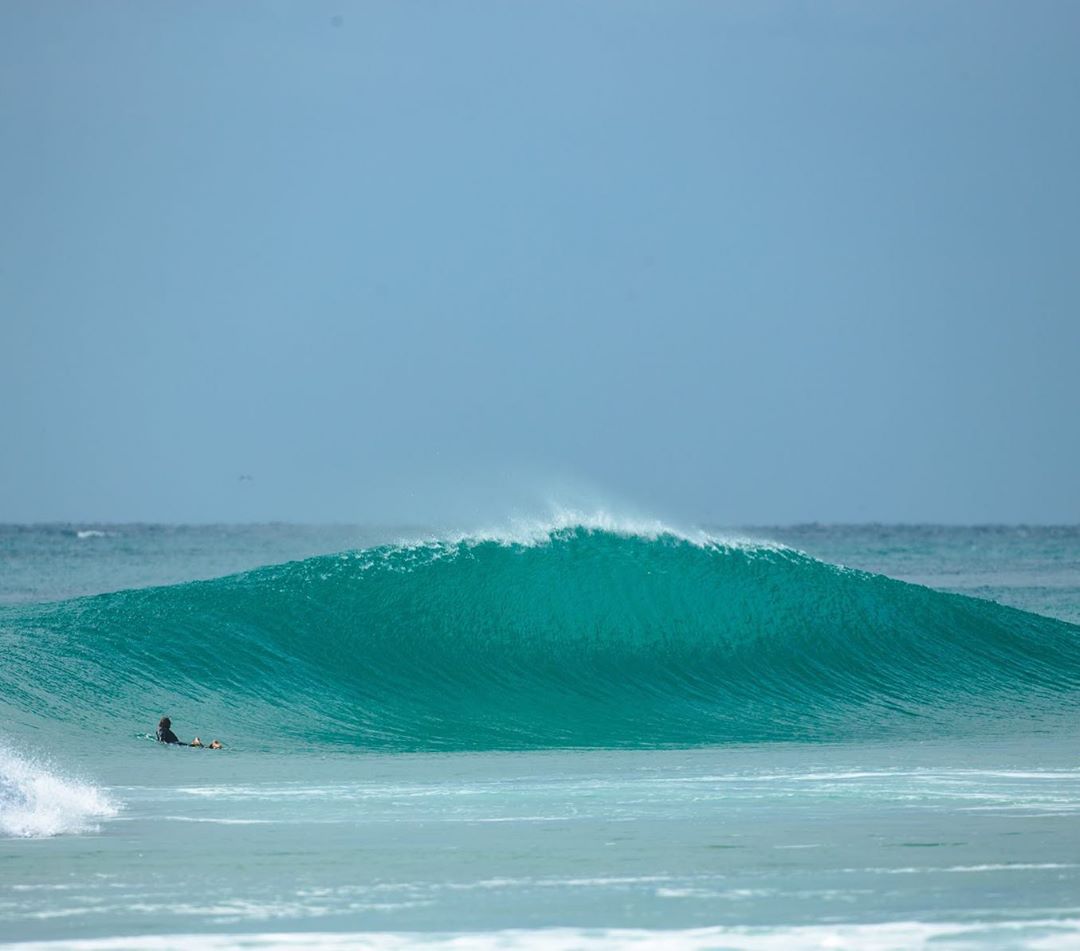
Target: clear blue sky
<point x="733" y="262"/>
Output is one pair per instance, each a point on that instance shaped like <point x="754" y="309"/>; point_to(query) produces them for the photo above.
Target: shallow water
<point x="751" y="837"/>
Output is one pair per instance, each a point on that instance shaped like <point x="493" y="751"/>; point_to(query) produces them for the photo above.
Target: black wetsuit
<point x="165" y="735"/>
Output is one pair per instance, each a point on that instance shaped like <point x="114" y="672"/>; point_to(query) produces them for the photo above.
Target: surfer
<point x="164" y="731"/>
<point x="166" y="735"/>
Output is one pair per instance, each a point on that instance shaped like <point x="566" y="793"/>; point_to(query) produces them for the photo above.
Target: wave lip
<point x="36" y="802"/>
<point x="531" y="532"/>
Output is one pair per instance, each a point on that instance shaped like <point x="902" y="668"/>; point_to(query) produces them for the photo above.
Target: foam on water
<point x="1037" y="935"/>
<point x="533" y="531"/>
<point x="36" y="801"/>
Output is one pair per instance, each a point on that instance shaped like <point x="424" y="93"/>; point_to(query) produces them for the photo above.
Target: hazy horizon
<point x="539" y="519"/>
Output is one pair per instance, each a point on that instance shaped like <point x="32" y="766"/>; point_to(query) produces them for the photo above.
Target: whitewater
<point x="579" y="732"/>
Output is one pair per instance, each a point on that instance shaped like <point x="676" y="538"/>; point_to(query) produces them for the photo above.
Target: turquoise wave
<point x="579" y="638"/>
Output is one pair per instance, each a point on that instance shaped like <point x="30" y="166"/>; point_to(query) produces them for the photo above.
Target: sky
<point x="730" y="262"/>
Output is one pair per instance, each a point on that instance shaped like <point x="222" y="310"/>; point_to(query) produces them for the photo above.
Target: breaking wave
<point x="36" y="801"/>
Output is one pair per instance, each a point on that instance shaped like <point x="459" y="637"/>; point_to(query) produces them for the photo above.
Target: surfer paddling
<point x="166" y="735"/>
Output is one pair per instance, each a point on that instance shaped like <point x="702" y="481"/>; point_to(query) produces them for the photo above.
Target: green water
<point x="769" y="751"/>
<point x="587" y="638"/>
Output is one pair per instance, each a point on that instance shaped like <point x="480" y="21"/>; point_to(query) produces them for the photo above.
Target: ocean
<point x="587" y="732"/>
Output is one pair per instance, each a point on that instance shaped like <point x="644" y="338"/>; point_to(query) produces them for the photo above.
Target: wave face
<point x="571" y="637"/>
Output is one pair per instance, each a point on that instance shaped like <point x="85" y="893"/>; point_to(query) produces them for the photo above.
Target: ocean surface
<point x="589" y="733"/>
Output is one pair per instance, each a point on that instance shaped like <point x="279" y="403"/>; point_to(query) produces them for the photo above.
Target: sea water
<point x="589" y="733"/>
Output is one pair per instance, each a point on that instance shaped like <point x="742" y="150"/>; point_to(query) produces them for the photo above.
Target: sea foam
<point x="531" y="531"/>
<point x="1044" y="934"/>
<point x="36" y="801"/>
